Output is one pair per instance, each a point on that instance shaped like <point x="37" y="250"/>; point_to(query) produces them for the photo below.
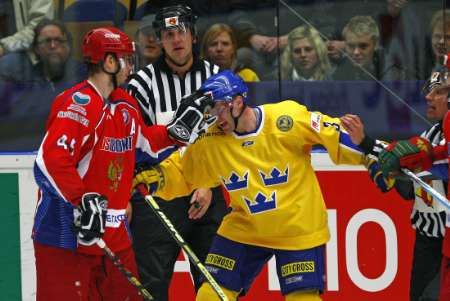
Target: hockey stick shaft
<point x="180" y="241"/>
<point x="443" y="200"/>
<point x="118" y="263"/>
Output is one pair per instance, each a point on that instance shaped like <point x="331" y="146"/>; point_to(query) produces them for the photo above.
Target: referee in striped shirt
<point x="158" y="89"/>
<point x="427" y="216"/>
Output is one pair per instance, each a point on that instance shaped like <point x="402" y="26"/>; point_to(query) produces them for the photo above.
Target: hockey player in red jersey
<point x="84" y="169"/>
<point x="416" y="154"/>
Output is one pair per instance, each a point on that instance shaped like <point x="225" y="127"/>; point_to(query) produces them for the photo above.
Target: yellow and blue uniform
<point x="277" y="206"/>
<point x="275" y="196"/>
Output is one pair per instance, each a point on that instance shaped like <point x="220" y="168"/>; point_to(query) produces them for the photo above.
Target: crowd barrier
<point x="368" y="256"/>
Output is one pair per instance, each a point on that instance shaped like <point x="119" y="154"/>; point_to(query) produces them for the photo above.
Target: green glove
<point x="414" y="154"/>
<point x="389" y="158"/>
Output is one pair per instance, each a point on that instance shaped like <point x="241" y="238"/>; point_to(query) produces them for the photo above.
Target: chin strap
<point x="236" y="119"/>
<point x="114" y="74"/>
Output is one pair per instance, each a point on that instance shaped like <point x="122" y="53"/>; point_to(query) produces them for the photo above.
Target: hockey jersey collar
<point x="259" y="125"/>
<point x="94" y="88"/>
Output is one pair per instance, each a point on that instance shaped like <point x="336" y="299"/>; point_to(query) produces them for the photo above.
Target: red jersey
<point x="91" y="146"/>
<point x="446" y="243"/>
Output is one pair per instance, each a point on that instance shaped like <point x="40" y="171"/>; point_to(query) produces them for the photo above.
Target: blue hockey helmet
<point x="224" y="85"/>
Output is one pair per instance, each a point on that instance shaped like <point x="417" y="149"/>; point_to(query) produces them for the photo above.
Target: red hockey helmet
<point x="101" y="41"/>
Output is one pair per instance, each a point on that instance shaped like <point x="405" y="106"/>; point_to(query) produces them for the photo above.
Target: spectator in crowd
<point x="440" y="37"/>
<point x="401" y="37"/>
<point x="365" y="60"/>
<point x="305" y="56"/>
<point x="52" y="44"/>
<point x="149" y="49"/>
<point x="27" y="14"/>
<point x="261" y="42"/>
<point x="219" y="46"/>
<point x="32" y="85"/>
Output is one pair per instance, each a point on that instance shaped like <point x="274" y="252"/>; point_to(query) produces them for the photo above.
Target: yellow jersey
<point x="274" y="193"/>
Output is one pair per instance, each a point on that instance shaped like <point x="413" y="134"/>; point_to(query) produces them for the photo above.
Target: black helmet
<point x="174" y="16"/>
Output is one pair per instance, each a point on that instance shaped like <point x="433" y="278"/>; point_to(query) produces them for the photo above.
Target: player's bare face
<point x="177" y="44"/>
<point x="304" y="56"/>
<point x="437" y="103"/>
<point x="360" y="48"/>
<point x="126" y="68"/>
<point x="223" y="112"/>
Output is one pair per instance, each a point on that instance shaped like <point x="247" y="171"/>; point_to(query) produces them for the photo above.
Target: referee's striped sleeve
<point x="140" y="87"/>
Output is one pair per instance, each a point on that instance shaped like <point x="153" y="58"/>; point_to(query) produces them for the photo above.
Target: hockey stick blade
<point x="443" y="200"/>
<point x="118" y="263"/>
<point x="180" y="241"/>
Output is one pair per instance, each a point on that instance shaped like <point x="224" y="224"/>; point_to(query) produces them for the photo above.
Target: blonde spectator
<point x="440" y="35"/>
<point x="365" y="60"/>
<point x="305" y="56"/>
<point x="362" y="37"/>
<point x="219" y="46"/>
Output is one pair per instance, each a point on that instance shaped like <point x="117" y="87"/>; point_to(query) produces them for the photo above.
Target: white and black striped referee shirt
<point x="430" y="221"/>
<point x="158" y="89"/>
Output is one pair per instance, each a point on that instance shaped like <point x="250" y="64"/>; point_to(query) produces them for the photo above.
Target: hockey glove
<point x="414" y="154"/>
<point x="151" y="176"/>
<point x="189" y="122"/>
<point x="90" y="224"/>
<point x="383" y="183"/>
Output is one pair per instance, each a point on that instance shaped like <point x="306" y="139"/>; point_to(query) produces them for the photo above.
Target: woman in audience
<point x="305" y="56"/>
<point x="219" y="46"/>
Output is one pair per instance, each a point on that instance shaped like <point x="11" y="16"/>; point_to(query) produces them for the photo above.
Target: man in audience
<point x="23" y="16"/>
<point x="149" y="49"/>
<point x="364" y="59"/>
<point x="31" y="85"/>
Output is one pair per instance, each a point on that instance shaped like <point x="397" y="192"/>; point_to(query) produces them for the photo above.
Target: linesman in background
<point x="158" y="89"/>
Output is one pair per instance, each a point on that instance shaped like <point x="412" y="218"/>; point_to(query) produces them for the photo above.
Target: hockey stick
<point x="180" y="241"/>
<point x="443" y="200"/>
<point x="118" y="263"/>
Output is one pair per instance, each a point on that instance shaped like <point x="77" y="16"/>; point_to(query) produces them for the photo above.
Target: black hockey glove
<point x="188" y="122"/>
<point x="90" y="224"/>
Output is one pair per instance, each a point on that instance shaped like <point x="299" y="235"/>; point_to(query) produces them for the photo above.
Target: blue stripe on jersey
<point x="54" y="216"/>
<point x="142" y="156"/>
<point x="345" y="140"/>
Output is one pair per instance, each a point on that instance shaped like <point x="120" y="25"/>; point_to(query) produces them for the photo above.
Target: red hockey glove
<point x="414" y="154"/>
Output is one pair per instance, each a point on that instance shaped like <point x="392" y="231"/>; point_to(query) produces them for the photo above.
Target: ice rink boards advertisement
<point x="368" y="257"/>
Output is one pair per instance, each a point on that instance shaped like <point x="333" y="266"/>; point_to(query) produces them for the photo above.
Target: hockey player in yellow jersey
<point x="262" y="156"/>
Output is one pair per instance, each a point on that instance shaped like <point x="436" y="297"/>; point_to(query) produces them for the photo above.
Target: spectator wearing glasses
<point x="25" y="88"/>
<point x="52" y="45"/>
<point x="18" y="19"/>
